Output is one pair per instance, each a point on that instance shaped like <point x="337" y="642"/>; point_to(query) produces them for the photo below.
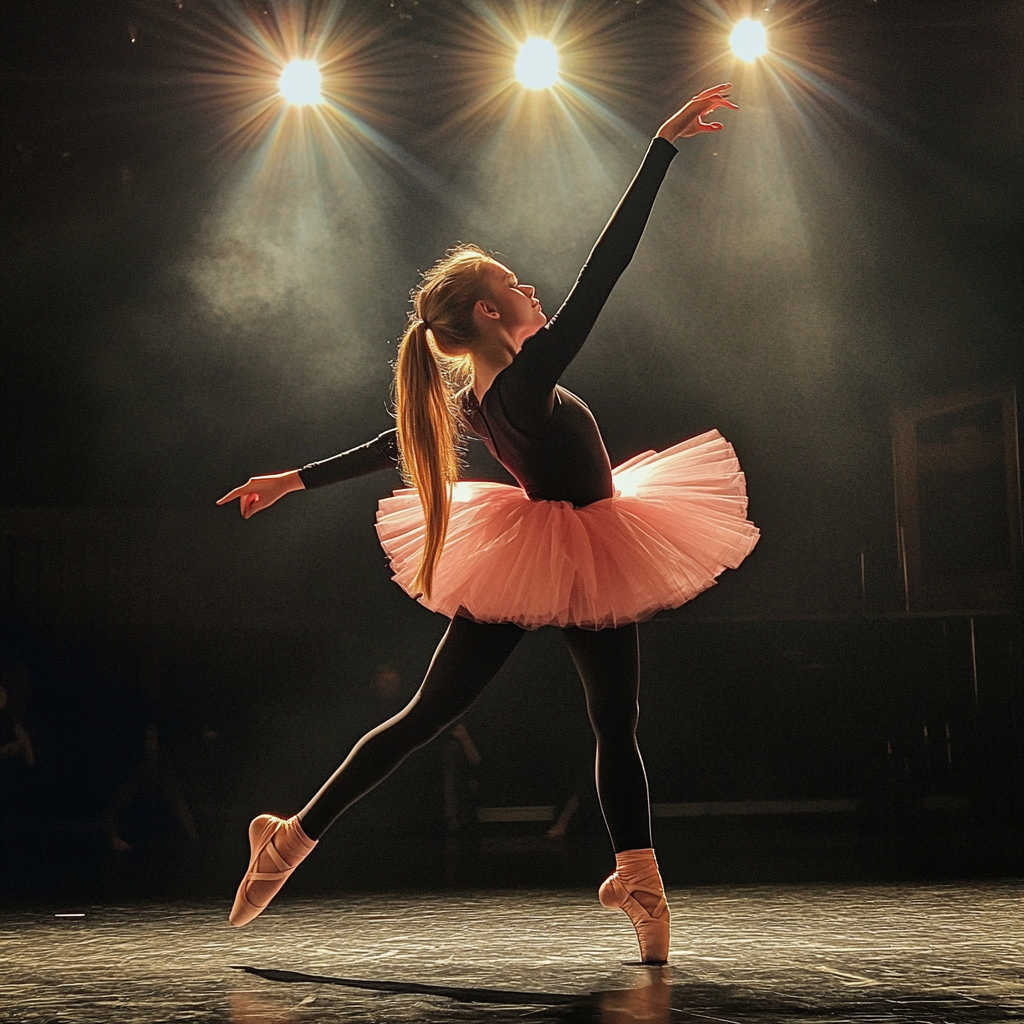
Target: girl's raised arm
<point x="527" y="384"/>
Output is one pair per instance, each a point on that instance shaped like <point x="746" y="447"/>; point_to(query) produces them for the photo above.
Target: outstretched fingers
<point x="248" y="499"/>
<point x="713" y="126"/>
<point x="715" y="90"/>
<point x="231" y="495"/>
<point x="719" y="101"/>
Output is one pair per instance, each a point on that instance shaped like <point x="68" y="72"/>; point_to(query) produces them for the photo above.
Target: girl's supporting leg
<point x="466" y="660"/>
<point x="608" y="662"/>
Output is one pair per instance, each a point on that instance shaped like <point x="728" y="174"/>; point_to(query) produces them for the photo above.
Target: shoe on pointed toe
<point x="635" y="874"/>
<point x="276" y="846"/>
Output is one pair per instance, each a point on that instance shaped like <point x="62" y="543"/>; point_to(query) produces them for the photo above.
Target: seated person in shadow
<point x="153" y="775"/>
<point x="15" y="741"/>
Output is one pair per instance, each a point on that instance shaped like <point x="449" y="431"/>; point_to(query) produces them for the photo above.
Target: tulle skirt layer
<point x="678" y="518"/>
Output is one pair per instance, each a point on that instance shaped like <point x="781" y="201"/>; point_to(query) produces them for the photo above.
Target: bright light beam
<point x="300" y="83"/>
<point x="537" y="64"/>
<point x="749" y="40"/>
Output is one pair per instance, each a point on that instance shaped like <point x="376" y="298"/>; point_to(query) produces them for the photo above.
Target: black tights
<point x="465" y="661"/>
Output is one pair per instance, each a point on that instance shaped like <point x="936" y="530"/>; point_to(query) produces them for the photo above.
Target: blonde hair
<point x="433" y="365"/>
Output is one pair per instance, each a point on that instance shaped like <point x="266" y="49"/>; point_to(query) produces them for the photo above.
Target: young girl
<point x="576" y="545"/>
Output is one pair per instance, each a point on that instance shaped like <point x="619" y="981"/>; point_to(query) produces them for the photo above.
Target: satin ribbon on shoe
<point x="285" y="845"/>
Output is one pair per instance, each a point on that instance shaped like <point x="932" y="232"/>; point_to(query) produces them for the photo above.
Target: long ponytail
<point x="428" y="438"/>
<point x="433" y="364"/>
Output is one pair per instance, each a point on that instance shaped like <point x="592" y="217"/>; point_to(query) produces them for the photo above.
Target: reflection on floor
<point x="804" y="954"/>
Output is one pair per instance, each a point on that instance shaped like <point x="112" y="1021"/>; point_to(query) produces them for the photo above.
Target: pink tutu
<point x="678" y="518"/>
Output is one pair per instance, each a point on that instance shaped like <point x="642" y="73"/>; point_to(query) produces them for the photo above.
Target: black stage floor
<point x="907" y="953"/>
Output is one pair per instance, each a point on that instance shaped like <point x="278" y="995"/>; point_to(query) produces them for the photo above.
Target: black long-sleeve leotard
<point x="541" y="433"/>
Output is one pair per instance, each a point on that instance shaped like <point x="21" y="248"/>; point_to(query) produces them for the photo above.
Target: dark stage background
<point x="190" y="296"/>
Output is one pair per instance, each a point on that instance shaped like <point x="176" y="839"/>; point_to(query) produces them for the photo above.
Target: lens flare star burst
<point x="539" y="77"/>
<point x="267" y="79"/>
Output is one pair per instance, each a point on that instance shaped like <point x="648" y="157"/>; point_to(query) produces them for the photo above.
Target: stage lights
<point x="749" y="40"/>
<point x="300" y="83"/>
<point x="537" y="64"/>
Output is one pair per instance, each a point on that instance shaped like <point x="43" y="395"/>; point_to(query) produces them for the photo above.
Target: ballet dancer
<point x="576" y="545"/>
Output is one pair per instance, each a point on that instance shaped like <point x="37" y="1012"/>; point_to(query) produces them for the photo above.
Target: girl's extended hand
<point x="690" y="119"/>
<point x="260" y="492"/>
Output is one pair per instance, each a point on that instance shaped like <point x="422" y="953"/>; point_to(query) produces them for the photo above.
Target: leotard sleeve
<point x="380" y="453"/>
<point x="525" y="387"/>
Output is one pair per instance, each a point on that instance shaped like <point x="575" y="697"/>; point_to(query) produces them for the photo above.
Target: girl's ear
<point x="486" y="309"/>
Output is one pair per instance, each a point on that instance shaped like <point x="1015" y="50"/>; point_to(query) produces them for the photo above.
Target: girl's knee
<point x="614" y="725"/>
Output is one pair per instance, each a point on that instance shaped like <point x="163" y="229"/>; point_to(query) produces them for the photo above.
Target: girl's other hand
<point x="260" y="492"/>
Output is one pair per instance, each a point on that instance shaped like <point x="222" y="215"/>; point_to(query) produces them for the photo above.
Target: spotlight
<point x="300" y="83"/>
<point x="537" y="64"/>
<point x="749" y="40"/>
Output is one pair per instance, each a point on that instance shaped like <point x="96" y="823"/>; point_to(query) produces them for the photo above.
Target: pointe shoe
<point x="640" y="874"/>
<point x="277" y="846"/>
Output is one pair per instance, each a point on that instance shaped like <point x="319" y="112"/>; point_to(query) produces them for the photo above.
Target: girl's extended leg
<point x="466" y="660"/>
<point x="464" y="663"/>
<point x="608" y="662"/>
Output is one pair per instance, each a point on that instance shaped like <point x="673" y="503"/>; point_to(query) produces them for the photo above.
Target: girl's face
<point x="517" y="304"/>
